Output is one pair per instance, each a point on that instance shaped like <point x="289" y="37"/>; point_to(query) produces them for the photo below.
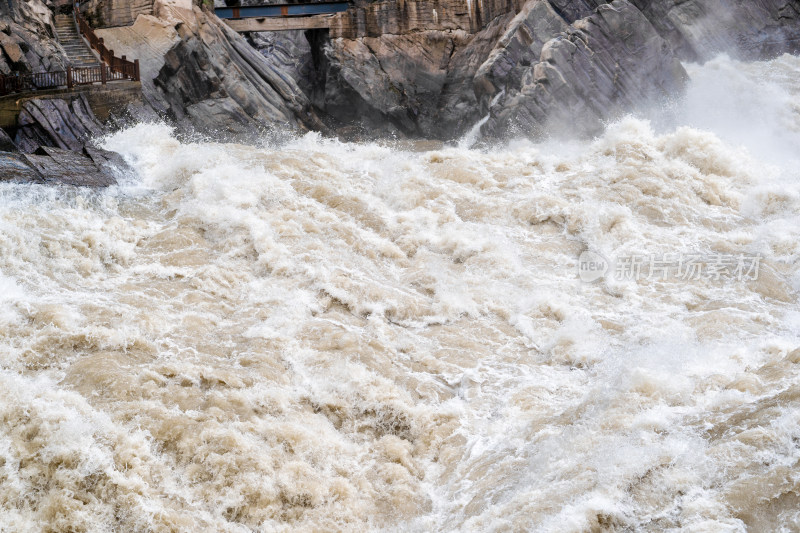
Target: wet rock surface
<point x="214" y="82"/>
<point x="91" y="167"/>
<point x="607" y="64"/>
<point x="536" y="66"/>
<point x="700" y="29"/>
<point x="66" y="123"/>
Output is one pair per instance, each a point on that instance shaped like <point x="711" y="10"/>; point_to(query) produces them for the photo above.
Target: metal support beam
<point x="280" y="23"/>
<point x="281" y="10"/>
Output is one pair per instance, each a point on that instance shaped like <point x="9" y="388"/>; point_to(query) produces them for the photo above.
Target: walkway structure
<point x="277" y="17"/>
<point x="84" y="68"/>
<point x="78" y="53"/>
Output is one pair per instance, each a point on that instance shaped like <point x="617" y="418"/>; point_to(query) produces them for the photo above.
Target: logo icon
<point x="592" y="266"/>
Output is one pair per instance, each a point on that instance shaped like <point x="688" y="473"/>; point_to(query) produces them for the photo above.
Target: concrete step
<point x="77" y="51"/>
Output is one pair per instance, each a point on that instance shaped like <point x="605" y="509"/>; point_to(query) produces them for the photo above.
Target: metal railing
<point x="121" y="65"/>
<point x="16" y="83"/>
<point x="113" y="69"/>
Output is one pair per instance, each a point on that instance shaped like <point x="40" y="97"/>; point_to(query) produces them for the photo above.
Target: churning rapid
<point x="313" y="335"/>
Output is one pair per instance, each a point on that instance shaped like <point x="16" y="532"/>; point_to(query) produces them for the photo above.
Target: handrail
<point x="32" y="81"/>
<point x="113" y="69"/>
<point x="118" y="64"/>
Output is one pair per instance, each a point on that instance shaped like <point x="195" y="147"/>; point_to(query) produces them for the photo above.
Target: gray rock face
<point x="572" y="10"/>
<point x="549" y="63"/>
<point x="519" y="48"/>
<point x="16" y="168"/>
<point x="214" y="82"/>
<point x="63" y="123"/>
<point x="397" y="78"/>
<point x="91" y="167"/>
<point x="69" y="168"/>
<point x="289" y="52"/>
<point x="27" y="38"/>
<point x="55" y="137"/>
<point x="609" y="63"/>
<point x="751" y="29"/>
<point x="579" y="58"/>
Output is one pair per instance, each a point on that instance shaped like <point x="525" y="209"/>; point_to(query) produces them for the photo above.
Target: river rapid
<point x="312" y="335"/>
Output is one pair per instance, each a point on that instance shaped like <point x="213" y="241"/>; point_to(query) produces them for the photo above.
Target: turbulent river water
<point x="312" y="335"/>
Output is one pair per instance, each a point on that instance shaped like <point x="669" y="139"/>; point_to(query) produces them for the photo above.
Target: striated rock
<point x="90" y="168"/>
<point x="518" y="49"/>
<point x="433" y="69"/>
<point x="110" y="163"/>
<point x="555" y="61"/>
<point x="63" y="123"/>
<point x="701" y="29"/>
<point x="148" y="40"/>
<point x="459" y="107"/>
<point x="16" y="168"/>
<point x="607" y="64"/>
<point x="290" y="52"/>
<point x="68" y="168"/>
<point x="572" y="10"/>
<point x="393" y="78"/>
<point x="110" y="13"/>
<point x="213" y="81"/>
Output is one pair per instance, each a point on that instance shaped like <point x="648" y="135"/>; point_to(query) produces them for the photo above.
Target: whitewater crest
<point x="321" y="335"/>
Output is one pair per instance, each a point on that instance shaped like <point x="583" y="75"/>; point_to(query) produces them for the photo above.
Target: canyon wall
<point x="433" y="68"/>
<point x="427" y="68"/>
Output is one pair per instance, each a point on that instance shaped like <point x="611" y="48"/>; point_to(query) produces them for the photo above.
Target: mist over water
<point x="331" y="336"/>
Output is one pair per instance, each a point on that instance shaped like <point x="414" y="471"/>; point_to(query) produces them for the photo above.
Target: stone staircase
<point x="78" y="52"/>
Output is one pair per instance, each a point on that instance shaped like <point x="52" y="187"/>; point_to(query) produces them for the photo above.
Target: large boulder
<point x="91" y="167"/>
<point x="67" y="123"/>
<point x="392" y="79"/>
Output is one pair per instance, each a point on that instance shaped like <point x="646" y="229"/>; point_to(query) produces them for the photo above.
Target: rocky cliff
<point x="433" y="68"/>
<point x="27" y="38"/>
<point x="52" y="140"/>
<point x="429" y="68"/>
<point x="204" y="77"/>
